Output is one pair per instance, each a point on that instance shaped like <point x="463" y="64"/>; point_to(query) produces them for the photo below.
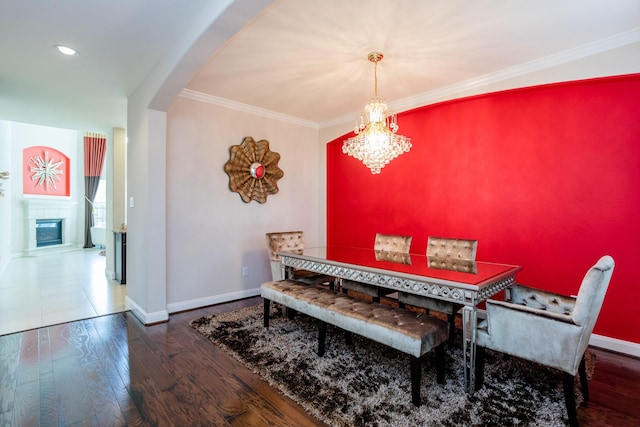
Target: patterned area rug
<point x="368" y="384"/>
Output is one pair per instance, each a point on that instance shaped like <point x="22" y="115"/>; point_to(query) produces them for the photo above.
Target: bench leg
<point x="452" y="328"/>
<point x="322" y="336"/>
<point x="348" y="338"/>
<point x="440" y="364"/>
<point x="267" y="305"/>
<point x="416" y="379"/>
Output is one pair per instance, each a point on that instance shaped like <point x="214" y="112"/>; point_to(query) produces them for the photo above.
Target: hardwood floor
<point x="114" y="371"/>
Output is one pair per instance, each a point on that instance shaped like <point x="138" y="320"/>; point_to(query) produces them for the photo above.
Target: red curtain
<point x="95" y="147"/>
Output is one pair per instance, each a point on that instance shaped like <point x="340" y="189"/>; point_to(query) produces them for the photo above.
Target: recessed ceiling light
<point x="66" y="50"/>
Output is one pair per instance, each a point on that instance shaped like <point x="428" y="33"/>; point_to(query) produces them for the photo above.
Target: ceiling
<point x="302" y="58"/>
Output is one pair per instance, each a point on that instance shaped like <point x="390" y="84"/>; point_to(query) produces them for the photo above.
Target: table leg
<point x="469" y="325"/>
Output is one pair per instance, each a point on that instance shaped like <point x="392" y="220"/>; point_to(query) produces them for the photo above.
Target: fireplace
<point x="48" y="232"/>
<point x="48" y="216"/>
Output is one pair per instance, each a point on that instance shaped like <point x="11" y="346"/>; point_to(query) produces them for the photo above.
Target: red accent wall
<point x="546" y="177"/>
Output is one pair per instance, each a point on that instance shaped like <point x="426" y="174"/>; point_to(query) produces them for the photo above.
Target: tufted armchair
<point x="447" y="254"/>
<point x="290" y="241"/>
<point x="388" y="247"/>
<point x="547" y="328"/>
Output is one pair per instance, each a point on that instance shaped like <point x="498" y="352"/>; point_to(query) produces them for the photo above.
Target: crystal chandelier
<point x="376" y="142"/>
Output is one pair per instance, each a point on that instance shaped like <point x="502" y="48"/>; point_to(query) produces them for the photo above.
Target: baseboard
<point x="614" y="344"/>
<point x="212" y="300"/>
<point x="48" y="250"/>
<point x="143" y="316"/>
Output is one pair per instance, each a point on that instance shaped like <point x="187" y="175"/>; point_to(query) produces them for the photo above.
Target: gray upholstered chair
<point x="547" y="328"/>
<point x="290" y="241"/>
<point x="388" y="247"/>
<point x="448" y="254"/>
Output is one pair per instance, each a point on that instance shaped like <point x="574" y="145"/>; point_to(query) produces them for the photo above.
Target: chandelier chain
<point x="375" y="78"/>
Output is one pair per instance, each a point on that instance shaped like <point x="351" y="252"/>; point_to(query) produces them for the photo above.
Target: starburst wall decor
<point x="46" y="172"/>
<point x="253" y="170"/>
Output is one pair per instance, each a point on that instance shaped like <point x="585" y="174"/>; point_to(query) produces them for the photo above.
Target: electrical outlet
<point x="245" y="271"/>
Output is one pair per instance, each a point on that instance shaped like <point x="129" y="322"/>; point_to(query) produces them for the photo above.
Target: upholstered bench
<point x="395" y="327"/>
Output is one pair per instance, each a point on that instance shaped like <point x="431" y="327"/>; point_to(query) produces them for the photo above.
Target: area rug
<point x="368" y="384"/>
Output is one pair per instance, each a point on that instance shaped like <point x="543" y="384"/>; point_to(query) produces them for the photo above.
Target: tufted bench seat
<point x="395" y="327"/>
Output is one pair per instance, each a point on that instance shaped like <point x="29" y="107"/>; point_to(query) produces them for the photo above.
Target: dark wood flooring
<point x="113" y="371"/>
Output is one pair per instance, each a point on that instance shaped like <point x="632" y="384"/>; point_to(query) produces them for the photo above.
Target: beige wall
<point x="119" y="183"/>
<point x="211" y="233"/>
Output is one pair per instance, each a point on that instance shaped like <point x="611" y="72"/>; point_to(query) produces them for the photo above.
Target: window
<point x="100" y="205"/>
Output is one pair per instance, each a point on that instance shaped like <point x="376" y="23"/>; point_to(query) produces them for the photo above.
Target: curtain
<point x="95" y="147"/>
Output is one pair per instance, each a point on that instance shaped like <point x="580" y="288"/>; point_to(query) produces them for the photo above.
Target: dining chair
<point x="547" y="328"/>
<point x="290" y="241"/>
<point x="392" y="243"/>
<point x="448" y="254"/>
<point x="387" y="247"/>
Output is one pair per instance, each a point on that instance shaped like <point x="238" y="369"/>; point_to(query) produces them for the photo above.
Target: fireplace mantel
<point x="47" y="208"/>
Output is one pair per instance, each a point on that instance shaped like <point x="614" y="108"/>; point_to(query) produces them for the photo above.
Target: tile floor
<point x="48" y="289"/>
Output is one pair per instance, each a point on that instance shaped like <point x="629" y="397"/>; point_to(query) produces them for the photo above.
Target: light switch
<point x="130" y="202"/>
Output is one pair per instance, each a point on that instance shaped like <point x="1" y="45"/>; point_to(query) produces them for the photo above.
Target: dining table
<point x="467" y="284"/>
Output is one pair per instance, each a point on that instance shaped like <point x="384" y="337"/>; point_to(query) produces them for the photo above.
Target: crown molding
<point x="441" y="94"/>
<point x="246" y="108"/>
<point x="476" y="84"/>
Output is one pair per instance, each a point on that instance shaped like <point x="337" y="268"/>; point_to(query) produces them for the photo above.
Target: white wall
<point x="66" y="141"/>
<point x="5" y="202"/>
<point x="211" y="232"/>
